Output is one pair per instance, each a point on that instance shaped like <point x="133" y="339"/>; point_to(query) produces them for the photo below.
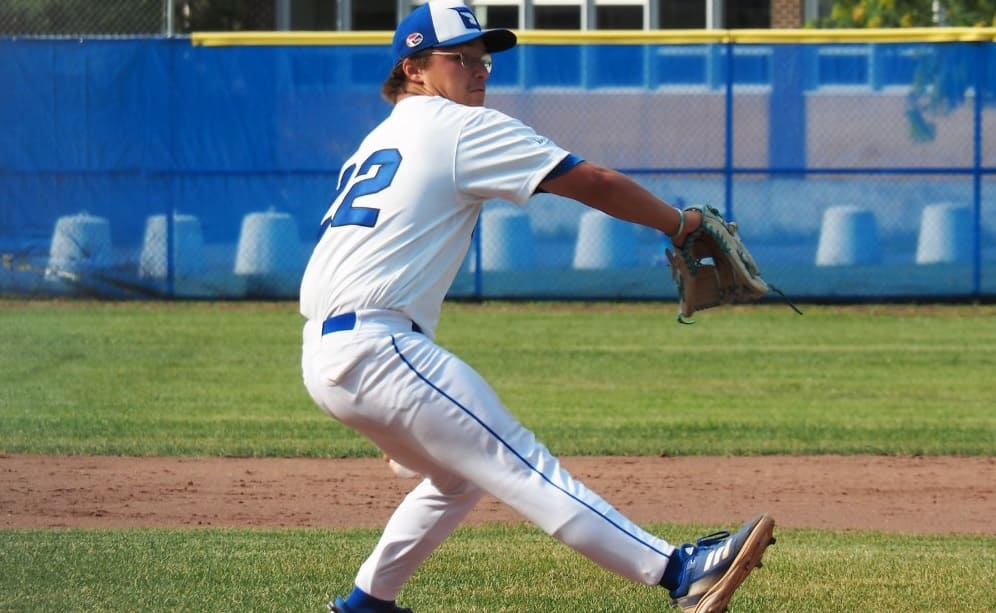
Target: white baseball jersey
<point x="407" y="202"/>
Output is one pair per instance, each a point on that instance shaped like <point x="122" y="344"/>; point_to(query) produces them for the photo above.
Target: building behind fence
<point x="201" y="167"/>
<point x="171" y="17"/>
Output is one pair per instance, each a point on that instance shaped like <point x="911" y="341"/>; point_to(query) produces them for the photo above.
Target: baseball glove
<point x="713" y="267"/>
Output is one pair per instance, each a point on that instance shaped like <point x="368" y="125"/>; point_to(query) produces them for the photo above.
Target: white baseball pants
<point x="433" y="413"/>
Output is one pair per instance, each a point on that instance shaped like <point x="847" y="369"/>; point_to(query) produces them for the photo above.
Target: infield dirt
<point x="916" y="495"/>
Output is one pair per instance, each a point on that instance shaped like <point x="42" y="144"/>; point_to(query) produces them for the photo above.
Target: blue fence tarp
<point x="152" y="167"/>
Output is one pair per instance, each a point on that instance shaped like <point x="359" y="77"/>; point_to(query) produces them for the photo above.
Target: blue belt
<point x="347" y="321"/>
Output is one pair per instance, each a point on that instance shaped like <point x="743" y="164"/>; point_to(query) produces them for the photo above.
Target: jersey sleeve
<point x="498" y="156"/>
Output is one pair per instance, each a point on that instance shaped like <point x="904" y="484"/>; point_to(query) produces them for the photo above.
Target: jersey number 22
<point x="360" y="184"/>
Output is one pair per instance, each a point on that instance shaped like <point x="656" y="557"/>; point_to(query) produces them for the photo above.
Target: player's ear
<point x="412" y="70"/>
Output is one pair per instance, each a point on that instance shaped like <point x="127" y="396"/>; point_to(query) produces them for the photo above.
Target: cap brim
<point x="499" y="40"/>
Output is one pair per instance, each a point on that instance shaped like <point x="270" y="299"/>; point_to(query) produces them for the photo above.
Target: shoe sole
<point x="749" y="558"/>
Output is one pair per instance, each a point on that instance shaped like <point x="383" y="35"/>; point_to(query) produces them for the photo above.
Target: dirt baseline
<point x="915" y="495"/>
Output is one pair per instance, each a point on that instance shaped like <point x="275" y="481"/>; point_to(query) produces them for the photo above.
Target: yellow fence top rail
<point x="623" y="37"/>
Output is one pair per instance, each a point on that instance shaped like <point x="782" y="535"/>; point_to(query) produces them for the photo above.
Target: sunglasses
<point x="469" y="62"/>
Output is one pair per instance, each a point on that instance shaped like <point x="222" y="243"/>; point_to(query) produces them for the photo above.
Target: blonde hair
<point x="394" y="85"/>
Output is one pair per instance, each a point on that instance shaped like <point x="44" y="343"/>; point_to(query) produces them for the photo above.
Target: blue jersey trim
<point x="515" y="452"/>
<point x="565" y="164"/>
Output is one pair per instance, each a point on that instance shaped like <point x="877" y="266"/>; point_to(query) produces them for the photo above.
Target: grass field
<point x="481" y="569"/>
<point x="223" y="379"/>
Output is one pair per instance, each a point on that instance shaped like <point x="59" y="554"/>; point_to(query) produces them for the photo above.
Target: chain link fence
<point x="162" y="167"/>
<point x="132" y="17"/>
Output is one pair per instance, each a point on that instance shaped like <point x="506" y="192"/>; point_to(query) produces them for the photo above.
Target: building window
<point x="682" y="14"/>
<point x="747" y="14"/>
<point x="375" y="15"/>
<point x="557" y="17"/>
<point x="313" y="15"/>
<point x="366" y="15"/>
<point x="498" y="16"/>
<point x="619" y="17"/>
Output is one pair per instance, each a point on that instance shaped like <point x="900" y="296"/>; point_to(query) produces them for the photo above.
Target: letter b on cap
<point x="469" y="20"/>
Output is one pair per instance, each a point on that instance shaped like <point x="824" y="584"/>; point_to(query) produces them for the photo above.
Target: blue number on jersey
<point x="387" y="162"/>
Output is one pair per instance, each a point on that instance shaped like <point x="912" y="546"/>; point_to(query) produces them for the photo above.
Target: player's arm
<point x="617" y="195"/>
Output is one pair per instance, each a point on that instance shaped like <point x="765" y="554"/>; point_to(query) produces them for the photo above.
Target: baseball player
<point x="390" y="245"/>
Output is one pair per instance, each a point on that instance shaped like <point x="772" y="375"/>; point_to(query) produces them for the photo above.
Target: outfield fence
<point x="859" y="165"/>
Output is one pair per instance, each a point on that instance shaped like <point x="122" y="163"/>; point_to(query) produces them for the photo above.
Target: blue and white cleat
<point x="339" y="606"/>
<point x="717" y="564"/>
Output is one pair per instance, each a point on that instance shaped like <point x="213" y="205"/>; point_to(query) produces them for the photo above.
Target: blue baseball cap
<point x="445" y="23"/>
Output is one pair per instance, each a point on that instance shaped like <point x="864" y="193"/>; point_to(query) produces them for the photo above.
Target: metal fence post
<point x="728" y="147"/>
<point x="981" y="72"/>
<point x="170" y="11"/>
